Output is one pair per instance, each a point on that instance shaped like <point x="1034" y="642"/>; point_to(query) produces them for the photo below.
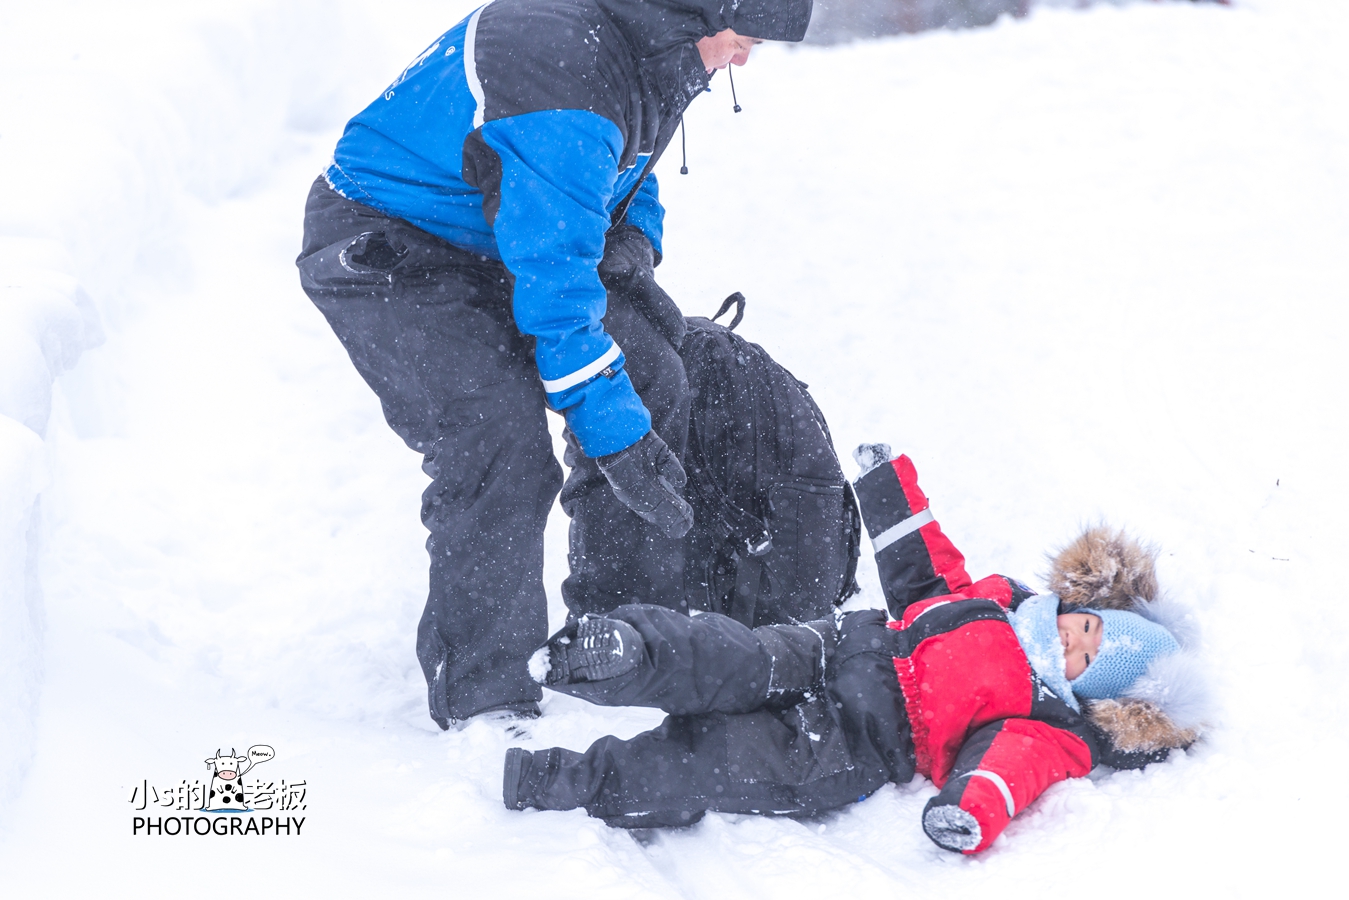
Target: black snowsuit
<point x="778" y="720"/>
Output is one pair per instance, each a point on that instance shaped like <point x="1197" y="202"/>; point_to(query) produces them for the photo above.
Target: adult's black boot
<point x="599" y="649"/>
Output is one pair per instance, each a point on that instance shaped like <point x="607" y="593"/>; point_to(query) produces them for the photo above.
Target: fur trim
<point x="1137" y="725"/>
<point x="1104" y="569"/>
<point x="1176" y="686"/>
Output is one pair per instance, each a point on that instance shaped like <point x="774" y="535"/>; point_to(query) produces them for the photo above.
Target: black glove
<point x="627" y="252"/>
<point x="648" y="479"/>
<point x="951" y="827"/>
<point x="627" y="270"/>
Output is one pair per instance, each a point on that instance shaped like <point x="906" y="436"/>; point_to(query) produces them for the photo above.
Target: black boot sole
<point x="601" y="649"/>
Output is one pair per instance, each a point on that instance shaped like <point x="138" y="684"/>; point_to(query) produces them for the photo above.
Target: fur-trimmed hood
<point x="1168" y="707"/>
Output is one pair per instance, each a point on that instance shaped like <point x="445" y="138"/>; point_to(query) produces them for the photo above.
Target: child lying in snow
<point x="990" y="690"/>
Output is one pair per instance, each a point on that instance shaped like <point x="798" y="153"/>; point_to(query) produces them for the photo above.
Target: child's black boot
<point x="518" y="764"/>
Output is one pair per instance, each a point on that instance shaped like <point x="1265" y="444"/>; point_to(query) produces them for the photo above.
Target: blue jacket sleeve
<point x="647" y="214"/>
<point x="558" y="172"/>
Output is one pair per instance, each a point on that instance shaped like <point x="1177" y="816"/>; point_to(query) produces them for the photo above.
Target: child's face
<point x="1081" y="637"/>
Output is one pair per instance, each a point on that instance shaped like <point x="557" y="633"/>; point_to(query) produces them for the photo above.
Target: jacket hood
<point x="1169" y="706"/>
<point x="657" y="25"/>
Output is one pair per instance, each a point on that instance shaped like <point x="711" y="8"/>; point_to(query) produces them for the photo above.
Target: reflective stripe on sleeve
<point x="928" y="610"/>
<point x="583" y="374"/>
<point x="1002" y="786"/>
<point x="908" y="526"/>
<point x="471" y="65"/>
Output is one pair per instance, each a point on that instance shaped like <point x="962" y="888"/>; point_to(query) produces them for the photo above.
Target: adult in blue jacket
<point x="482" y="244"/>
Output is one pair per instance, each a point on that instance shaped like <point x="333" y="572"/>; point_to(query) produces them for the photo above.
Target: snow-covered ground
<point x="1086" y="264"/>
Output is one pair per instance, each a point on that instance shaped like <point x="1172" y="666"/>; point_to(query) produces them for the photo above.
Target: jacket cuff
<point x="606" y="415"/>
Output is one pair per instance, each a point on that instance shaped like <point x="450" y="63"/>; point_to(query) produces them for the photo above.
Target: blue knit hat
<point x="1129" y="643"/>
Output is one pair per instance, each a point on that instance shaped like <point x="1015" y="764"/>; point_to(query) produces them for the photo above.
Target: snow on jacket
<point x="986" y="729"/>
<point x="518" y="133"/>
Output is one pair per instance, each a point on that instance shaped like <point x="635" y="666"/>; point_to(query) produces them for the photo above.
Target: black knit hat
<point x="771" y="20"/>
<point x="657" y="25"/>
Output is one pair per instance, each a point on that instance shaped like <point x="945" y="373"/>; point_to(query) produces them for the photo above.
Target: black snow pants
<point x="779" y="720"/>
<point x="429" y="327"/>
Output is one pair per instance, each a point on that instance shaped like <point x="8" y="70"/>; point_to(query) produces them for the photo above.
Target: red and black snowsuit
<point x="985" y="729"/>
<point x="798" y="719"/>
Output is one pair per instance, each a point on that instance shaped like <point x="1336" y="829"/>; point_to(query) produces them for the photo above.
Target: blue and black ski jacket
<point x="519" y="132"/>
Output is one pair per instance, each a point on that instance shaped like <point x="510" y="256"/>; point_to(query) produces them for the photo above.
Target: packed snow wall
<point x="111" y="126"/>
<point x="46" y="322"/>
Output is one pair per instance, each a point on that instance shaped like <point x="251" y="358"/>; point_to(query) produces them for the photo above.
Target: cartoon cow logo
<point x="227" y="787"/>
